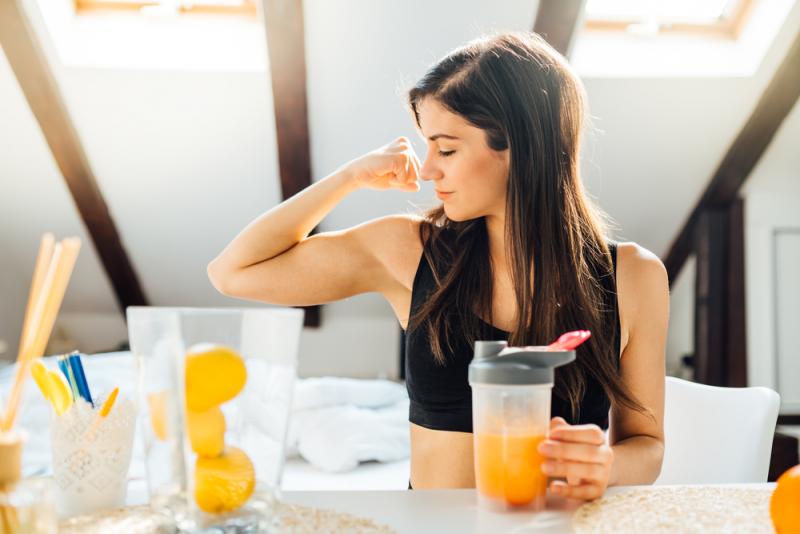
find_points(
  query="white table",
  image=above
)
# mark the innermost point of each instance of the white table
(446, 511)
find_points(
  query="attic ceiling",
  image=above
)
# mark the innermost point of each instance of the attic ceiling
(186, 158)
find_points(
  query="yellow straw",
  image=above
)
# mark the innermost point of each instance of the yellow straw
(109, 403)
(40, 322)
(39, 272)
(43, 260)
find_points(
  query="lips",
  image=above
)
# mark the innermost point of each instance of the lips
(443, 194)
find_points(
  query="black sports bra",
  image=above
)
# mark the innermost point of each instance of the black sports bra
(440, 395)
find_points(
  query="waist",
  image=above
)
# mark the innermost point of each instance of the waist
(441, 459)
(452, 418)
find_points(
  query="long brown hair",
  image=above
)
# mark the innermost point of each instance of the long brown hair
(526, 98)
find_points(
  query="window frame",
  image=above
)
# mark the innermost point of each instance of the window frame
(248, 7)
(730, 26)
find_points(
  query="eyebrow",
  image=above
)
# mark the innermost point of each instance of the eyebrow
(443, 136)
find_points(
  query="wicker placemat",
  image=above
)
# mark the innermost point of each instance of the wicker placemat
(685, 509)
(130, 520)
(295, 519)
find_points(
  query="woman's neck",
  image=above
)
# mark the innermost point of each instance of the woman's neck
(495, 228)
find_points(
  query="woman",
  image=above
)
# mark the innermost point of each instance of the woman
(516, 251)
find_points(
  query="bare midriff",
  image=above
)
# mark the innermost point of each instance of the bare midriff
(441, 459)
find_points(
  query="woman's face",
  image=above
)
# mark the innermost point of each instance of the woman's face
(460, 161)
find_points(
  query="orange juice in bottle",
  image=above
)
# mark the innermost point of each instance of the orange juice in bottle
(511, 395)
(508, 468)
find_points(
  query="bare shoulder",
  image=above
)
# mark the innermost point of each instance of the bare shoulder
(394, 241)
(642, 284)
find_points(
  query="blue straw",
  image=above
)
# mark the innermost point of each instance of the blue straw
(66, 370)
(80, 377)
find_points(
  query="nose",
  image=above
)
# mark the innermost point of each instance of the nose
(429, 171)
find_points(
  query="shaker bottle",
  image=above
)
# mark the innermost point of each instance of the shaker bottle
(511, 393)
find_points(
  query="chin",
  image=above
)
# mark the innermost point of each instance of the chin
(457, 216)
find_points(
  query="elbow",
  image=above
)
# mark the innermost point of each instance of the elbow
(219, 277)
(658, 459)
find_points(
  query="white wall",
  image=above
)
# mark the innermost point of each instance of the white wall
(772, 218)
(680, 337)
(186, 157)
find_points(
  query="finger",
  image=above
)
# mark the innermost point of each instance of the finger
(574, 471)
(398, 166)
(398, 145)
(578, 434)
(408, 173)
(415, 165)
(577, 452)
(409, 177)
(557, 421)
(586, 492)
(573, 480)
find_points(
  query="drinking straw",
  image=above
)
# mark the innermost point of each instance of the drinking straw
(107, 405)
(43, 260)
(42, 379)
(52, 386)
(48, 294)
(66, 370)
(76, 366)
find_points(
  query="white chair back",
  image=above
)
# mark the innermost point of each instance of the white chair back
(715, 435)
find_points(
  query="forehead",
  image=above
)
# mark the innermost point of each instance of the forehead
(434, 119)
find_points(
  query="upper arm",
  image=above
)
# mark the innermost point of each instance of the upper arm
(327, 266)
(643, 297)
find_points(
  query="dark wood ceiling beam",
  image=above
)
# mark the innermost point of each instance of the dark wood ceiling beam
(29, 64)
(744, 153)
(557, 21)
(285, 31)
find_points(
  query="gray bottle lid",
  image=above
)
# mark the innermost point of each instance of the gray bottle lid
(494, 362)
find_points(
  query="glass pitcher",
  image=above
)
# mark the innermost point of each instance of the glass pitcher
(215, 390)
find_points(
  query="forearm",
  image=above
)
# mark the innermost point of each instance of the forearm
(285, 225)
(637, 461)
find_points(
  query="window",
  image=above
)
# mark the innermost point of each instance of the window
(724, 18)
(245, 7)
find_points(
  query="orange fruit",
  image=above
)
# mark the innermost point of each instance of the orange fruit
(214, 374)
(157, 402)
(784, 505)
(206, 432)
(223, 484)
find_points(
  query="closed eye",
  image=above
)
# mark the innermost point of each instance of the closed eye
(444, 154)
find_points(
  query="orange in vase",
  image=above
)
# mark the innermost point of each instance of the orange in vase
(508, 467)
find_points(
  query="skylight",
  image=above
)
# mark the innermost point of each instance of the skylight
(666, 11)
(706, 38)
(723, 17)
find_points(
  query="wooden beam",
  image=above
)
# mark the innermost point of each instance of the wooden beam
(285, 31)
(557, 21)
(709, 302)
(736, 307)
(29, 64)
(774, 105)
(720, 343)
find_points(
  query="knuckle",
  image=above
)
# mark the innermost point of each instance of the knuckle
(597, 472)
